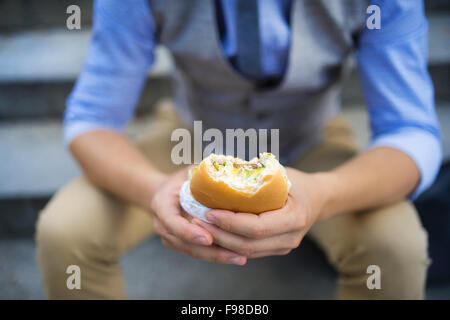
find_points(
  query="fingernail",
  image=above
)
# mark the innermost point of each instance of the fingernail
(200, 240)
(235, 260)
(211, 218)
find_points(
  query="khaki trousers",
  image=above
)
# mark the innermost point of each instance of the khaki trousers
(85, 226)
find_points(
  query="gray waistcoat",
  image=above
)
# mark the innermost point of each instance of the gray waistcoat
(209, 89)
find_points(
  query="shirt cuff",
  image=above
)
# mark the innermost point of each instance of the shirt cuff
(74, 129)
(422, 146)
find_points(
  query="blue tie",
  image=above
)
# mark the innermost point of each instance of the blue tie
(248, 58)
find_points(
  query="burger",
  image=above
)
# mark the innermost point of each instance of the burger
(229, 183)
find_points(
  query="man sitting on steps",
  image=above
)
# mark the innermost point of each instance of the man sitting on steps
(251, 64)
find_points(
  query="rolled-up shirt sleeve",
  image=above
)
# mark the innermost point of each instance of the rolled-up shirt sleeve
(120, 53)
(392, 66)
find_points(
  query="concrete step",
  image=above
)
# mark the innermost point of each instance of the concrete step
(52, 55)
(18, 15)
(46, 100)
(35, 161)
(36, 83)
(439, 38)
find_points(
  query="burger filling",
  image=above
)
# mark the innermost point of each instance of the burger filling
(247, 176)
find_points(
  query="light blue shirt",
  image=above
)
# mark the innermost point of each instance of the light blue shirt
(392, 66)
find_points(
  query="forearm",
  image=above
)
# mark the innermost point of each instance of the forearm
(377, 177)
(114, 163)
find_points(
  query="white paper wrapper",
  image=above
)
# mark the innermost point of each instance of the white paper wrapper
(190, 205)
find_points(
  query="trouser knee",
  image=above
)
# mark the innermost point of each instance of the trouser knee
(393, 248)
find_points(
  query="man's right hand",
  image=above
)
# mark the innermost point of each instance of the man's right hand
(173, 224)
(114, 163)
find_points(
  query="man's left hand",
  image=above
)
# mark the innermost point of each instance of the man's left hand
(274, 232)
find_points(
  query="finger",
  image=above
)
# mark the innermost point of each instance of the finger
(246, 246)
(254, 226)
(212, 253)
(186, 231)
(159, 228)
(170, 217)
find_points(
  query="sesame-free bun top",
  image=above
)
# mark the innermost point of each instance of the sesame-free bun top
(255, 186)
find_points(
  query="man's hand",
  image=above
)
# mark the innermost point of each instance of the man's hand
(176, 230)
(274, 232)
(115, 164)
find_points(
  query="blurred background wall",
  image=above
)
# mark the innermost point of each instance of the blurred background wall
(39, 62)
